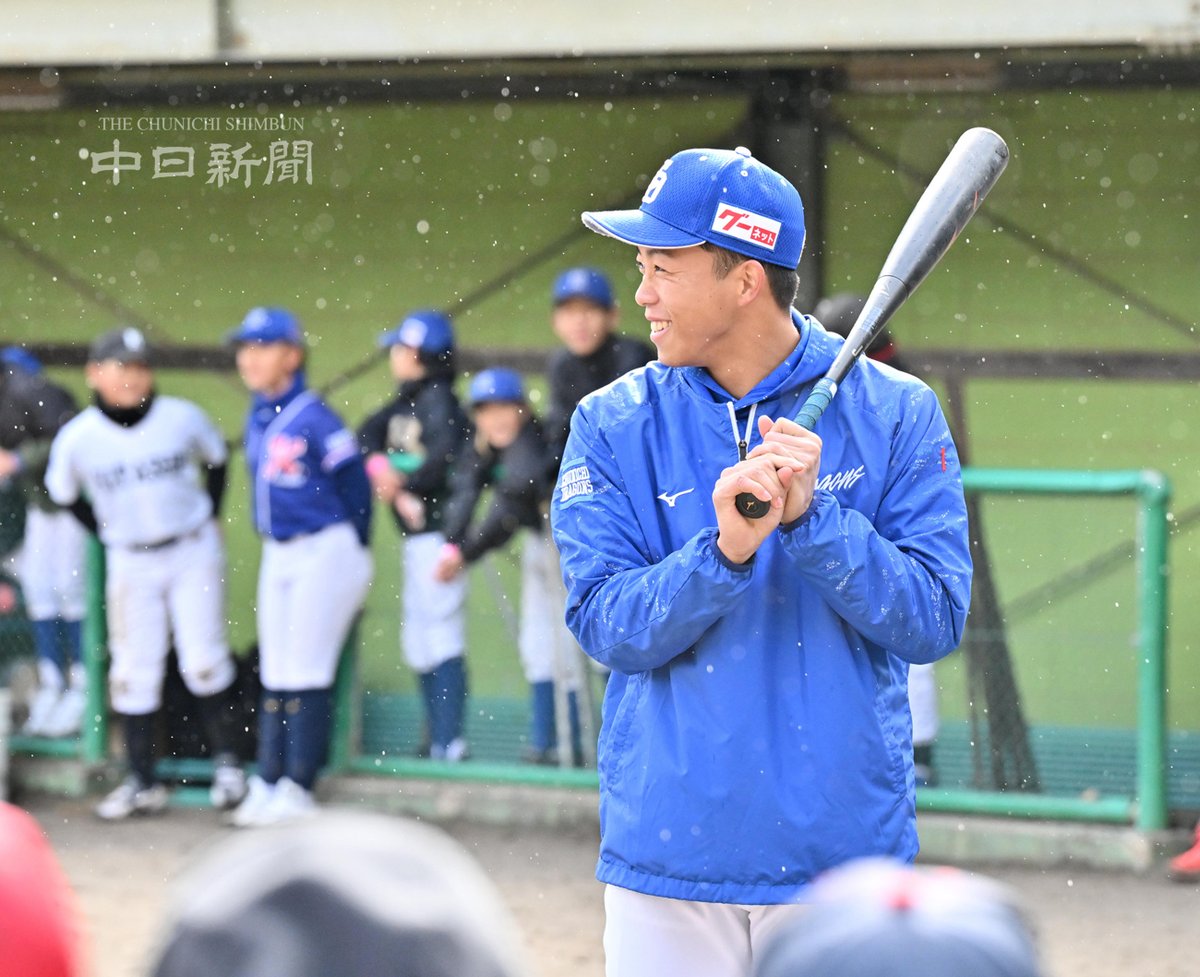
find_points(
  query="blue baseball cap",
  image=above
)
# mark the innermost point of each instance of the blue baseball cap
(268, 325)
(720, 196)
(583, 283)
(496, 385)
(426, 330)
(20, 359)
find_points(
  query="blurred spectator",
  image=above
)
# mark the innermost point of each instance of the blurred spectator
(875, 917)
(39, 922)
(592, 355)
(411, 444)
(53, 555)
(838, 313)
(345, 893)
(509, 457)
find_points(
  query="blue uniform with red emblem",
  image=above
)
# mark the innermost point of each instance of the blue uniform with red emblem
(311, 504)
(305, 467)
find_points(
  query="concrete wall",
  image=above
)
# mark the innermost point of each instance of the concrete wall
(33, 32)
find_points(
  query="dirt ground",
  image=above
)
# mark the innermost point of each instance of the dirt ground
(1090, 923)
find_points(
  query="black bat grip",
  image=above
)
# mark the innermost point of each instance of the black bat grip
(755, 508)
(751, 507)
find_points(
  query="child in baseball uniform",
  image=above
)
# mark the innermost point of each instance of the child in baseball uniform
(509, 456)
(146, 472)
(52, 556)
(311, 504)
(411, 445)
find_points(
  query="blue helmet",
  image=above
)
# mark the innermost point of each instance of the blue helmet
(428, 331)
(583, 283)
(266, 324)
(20, 359)
(496, 385)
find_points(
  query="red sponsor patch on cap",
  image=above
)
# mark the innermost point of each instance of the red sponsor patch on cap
(746, 226)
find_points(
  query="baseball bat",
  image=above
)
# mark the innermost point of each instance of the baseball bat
(951, 199)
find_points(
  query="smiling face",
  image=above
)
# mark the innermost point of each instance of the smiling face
(692, 313)
(122, 385)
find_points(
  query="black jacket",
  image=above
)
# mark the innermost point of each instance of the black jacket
(572, 377)
(32, 409)
(423, 431)
(520, 493)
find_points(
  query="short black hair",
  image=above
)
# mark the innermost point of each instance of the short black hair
(783, 282)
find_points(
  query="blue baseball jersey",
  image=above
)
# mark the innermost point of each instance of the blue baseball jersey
(296, 448)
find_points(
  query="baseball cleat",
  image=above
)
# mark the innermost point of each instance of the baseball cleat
(250, 812)
(132, 797)
(41, 707)
(289, 802)
(228, 788)
(455, 751)
(66, 717)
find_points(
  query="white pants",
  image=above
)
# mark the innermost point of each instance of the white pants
(309, 590)
(177, 591)
(923, 704)
(548, 650)
(53, 566)
(433, 629)
(648, 936)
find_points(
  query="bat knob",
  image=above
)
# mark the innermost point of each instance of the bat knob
(750, 507)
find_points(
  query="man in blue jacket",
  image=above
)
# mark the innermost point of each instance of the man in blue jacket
(756, 728)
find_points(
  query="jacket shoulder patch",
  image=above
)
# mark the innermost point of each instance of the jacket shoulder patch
(574, 483)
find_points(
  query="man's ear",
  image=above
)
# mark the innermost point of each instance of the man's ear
(751, 280)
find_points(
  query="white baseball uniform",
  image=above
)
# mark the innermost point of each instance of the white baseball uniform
(165, 558)
(53, 565)
(549, 652)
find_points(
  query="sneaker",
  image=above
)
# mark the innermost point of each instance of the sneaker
(249, 813)
(66, 718)
(1186, 867)
(289, 802)
(132, 797)
(228, 788)
(455, 751)
(41, 707)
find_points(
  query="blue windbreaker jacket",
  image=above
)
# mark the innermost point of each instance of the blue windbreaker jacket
(755, 727)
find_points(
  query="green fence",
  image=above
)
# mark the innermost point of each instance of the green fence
(1099, 741)
(1070, 786)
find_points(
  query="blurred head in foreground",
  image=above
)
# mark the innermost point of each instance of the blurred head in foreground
(39, 925)
(346, 893)
(880, 918)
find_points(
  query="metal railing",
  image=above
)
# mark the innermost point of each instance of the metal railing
(1147, 808)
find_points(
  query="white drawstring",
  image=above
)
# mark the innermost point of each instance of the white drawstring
(743, 440)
